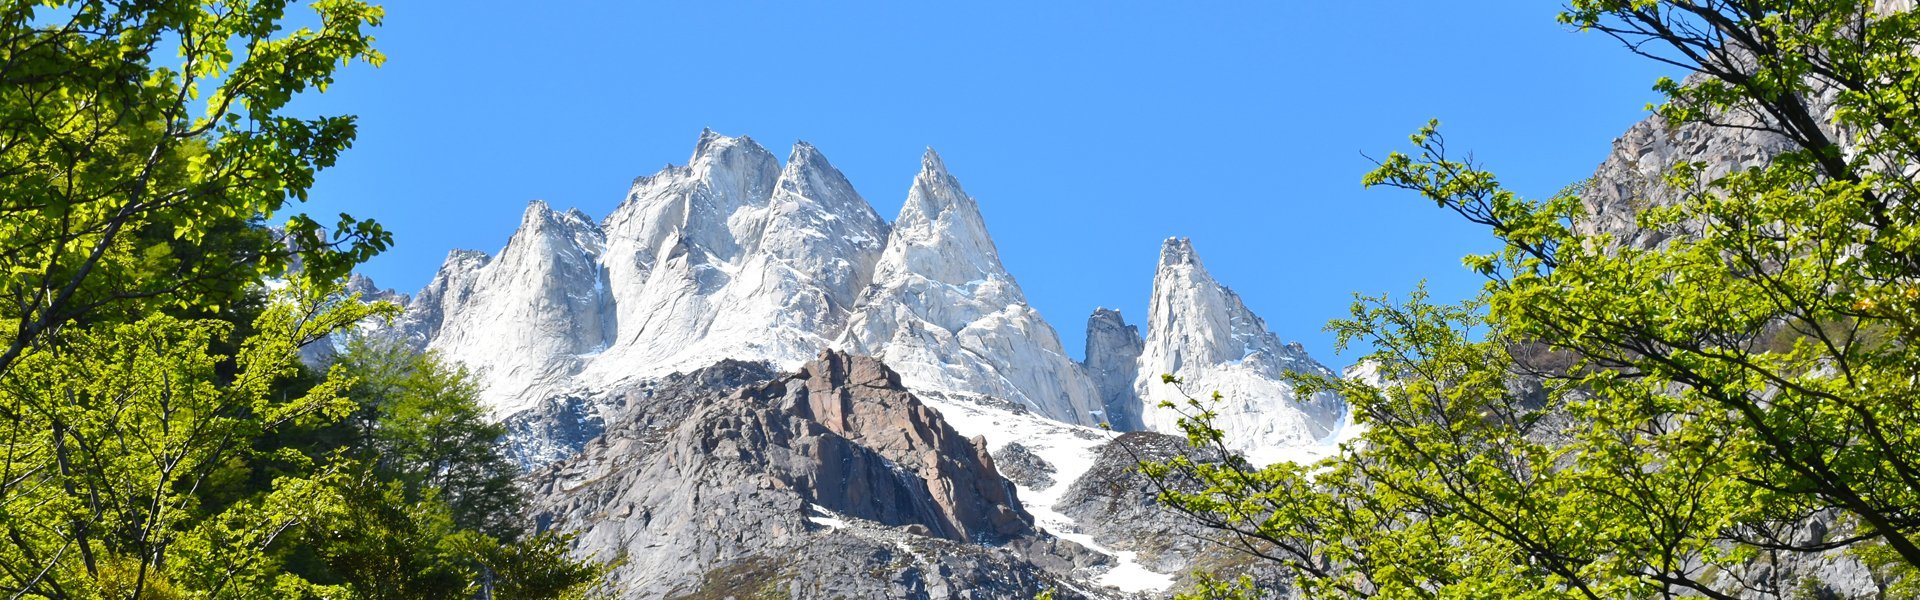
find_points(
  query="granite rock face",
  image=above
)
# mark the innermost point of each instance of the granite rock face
(838, 454)
(734, 256)
(523, 319)
(559, 426)
(1201, 332)
(945, 312)
(1022, 467)
(1114, 503)
(1113, 361)
(1631, 179)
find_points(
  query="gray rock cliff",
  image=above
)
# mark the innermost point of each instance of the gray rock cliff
(1113, 361)
(836, 456)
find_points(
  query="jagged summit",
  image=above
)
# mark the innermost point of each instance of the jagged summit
(535, 207)
(539, 216)
(944, 312)
(1177, 251)
(936, 193)
(804, 153)
(940, 235)
(461, 255)
(736, 256)
(711, 144)
(1200, 331)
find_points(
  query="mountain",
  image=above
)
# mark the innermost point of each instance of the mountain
(945, 312)
(1202, 333)
(523, 319)
(1113, 361)
(735, 257)
(834, 480)
(743, 364)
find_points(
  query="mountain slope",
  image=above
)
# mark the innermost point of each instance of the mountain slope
(945, 313)
(1199, 331)
(837, 462)
(522, 319)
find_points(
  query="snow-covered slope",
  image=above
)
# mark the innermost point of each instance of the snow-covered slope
(1200, 332)
(521, 320)
(1069, 451)
(735, 257)
(945, 314)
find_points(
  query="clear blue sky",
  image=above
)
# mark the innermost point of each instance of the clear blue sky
(1089, 131)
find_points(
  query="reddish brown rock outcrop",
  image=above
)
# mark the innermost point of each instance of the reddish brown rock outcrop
(861, 400)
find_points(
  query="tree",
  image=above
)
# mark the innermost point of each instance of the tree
(108, 444)
(441, 515)
(157, 430)
(420, 423)
(1615, 419)
(126, 186)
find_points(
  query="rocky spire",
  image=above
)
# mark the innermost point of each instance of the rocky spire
(1200, 331)
(1113, 362)
(696, 205)
(943, 311)
(796, 284)
(940, 233)
(522, 318)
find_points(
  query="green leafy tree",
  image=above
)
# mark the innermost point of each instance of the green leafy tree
(130, 180)
(158, 436)
(440, 513)
(1617, 419)
(420, 423)
(108, 442)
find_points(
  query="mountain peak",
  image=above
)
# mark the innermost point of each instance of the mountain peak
(537, 212)
(936, 196)
(1112, 361)
(714, 147)
(930, 163)
(803, 152)
(1178, 251)
(1202, 332)
(459, 256)
(539, 216)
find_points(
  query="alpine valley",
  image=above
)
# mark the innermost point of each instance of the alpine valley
(744, 382)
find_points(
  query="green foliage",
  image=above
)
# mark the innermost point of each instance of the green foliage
(420, 422)
(539, 567)
(120, 169)
(440, 515)
(1617, 420)
(159, 436)
(108, 441)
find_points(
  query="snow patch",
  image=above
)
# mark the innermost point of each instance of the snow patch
(819, 515)
(1072, 450)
